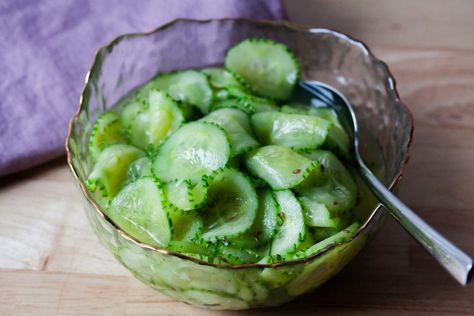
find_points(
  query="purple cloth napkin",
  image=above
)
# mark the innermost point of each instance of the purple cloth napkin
(46, 48)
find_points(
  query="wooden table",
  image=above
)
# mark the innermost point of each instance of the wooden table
(51, 262)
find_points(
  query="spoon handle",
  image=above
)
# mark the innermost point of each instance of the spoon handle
(453, 259)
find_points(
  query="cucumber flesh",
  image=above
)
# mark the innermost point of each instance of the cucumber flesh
(195, 149)
(237, 127)
(139, 168)
(292, 231)
(221, 78)
(106, 131)
(339, 191)
(189, 86)
(140, 210)
(186, 195)
(165, 117)
(269, 68)
(231, 207)
(280, 167)
(299, 132)
(342, 236)
(264, 226)
(149, 127)
(337, 140)
(316, 214)
(110, 170)
(187, 225)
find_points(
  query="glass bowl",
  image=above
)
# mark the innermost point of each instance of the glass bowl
(336, 59)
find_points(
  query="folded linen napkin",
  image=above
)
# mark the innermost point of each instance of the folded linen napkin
(47, 47)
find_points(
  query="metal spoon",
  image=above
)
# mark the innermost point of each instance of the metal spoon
(453, 259)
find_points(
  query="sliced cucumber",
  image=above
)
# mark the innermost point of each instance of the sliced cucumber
(337, 140)
(195, 149)
(342, 236)
(316, 214)
(231, 207)
(192, 248)
(106, 131)
(129, 111)
(139, 168)
(187, 225)
(165, 117)
(221, 78)
(269, 68)
(233, 103)
(299, 132)
(150, 127)
(292, 232)
(189, 86)
(264, 226)
(265, 107)
(339, 192)
(280, 167)
(110, 170)
(139, 210)
(237, 127)
(234, 255)
(250, 100)
(186, 195)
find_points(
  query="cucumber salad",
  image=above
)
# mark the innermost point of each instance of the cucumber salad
(220, 165)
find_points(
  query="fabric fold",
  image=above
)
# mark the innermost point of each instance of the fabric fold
(47, 48)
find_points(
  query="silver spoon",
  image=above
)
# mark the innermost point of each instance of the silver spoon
(453, 259)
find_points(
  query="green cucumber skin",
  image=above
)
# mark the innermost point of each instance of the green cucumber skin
(106, 131)
(241, 195)
(273, 80)
(293, 230)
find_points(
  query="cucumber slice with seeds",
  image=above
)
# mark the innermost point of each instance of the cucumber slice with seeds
(337, 139)
(341, 236)
(110, 170)
(187, 225)
(299, 132)
(237, 127)
(139, 168)
(195, 149)
(106, 131)
(233, 103)
(151, 126)
(292, 232)
(269, 68)
(280, 167)
(165, 117)
(185, 195)
(339, 191)
(140, 210)
(264, 226)
(231, 207)
(317, 214)
(189, 86)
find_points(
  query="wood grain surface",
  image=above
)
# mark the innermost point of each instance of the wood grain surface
(51, 263)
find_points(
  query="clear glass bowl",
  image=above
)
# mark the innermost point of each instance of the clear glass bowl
(133, 59)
